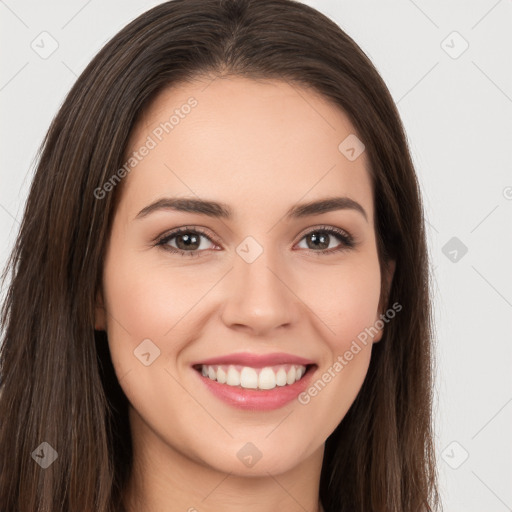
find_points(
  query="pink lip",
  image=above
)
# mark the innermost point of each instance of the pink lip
(256, 399)
(256, 361)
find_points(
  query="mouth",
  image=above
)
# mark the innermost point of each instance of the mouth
(256, 382)
(255, 378)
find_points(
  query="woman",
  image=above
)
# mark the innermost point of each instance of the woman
(174, 339)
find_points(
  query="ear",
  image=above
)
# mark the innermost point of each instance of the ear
(389, 272)
(100, 320)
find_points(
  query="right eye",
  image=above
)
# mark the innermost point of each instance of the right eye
(188, 241)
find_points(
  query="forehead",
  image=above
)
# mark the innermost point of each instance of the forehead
(232, 139)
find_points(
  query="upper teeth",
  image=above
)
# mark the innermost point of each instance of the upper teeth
(255, 378)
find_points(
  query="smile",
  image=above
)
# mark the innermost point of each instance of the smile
(248, 377)
(255, 389)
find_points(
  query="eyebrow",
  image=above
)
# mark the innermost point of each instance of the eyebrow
(223, 211)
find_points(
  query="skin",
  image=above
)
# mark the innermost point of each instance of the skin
(260, 147)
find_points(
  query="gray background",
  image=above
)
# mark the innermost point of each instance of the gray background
(457, 109)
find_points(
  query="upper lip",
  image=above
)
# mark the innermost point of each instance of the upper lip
(256, 360)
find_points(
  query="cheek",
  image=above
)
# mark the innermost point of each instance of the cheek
(148, 300)
(346, 301)
(345, 298)
(141, 306)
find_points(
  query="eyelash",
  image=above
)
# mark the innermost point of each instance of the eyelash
(347, 240)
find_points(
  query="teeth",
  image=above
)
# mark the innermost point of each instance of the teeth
(267, 379)
(290, 378)
(254, 378)
(249, 378)
(281, 377)
(233, 378)
(221, 376)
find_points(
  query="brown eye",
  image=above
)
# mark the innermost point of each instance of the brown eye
(320, 240)
(189, 241)
(185, 241)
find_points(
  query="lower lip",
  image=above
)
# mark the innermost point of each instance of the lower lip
(255, 399)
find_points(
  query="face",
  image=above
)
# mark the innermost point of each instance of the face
(266, 293)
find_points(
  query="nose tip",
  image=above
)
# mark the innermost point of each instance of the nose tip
(257, 298)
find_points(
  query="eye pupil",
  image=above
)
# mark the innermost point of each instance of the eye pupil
(190, 241)
(321, 238)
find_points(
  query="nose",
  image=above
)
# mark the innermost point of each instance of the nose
(260, 297)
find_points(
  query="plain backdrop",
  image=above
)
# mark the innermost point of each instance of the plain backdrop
(448, 66)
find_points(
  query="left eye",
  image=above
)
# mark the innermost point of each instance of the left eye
(187, 241)
(321, 238)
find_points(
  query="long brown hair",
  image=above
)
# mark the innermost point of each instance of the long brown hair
(57, 381)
